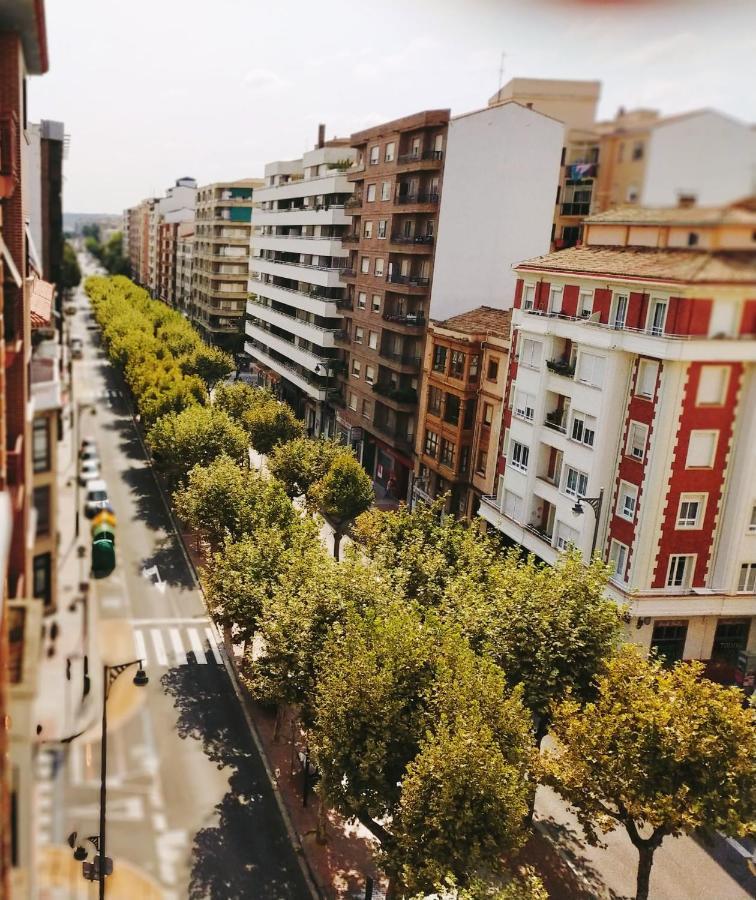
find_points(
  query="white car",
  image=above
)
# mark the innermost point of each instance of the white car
(89, 469)
(97, 497)
(89, 454)
(88, 443)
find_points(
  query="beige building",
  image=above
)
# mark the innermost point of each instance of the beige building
(184, 257)
(222, 235)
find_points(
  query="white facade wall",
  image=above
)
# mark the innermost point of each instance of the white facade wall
(706, 154)
(501, 173)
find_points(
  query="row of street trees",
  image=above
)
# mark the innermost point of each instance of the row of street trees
(110, 254)
(427, 667)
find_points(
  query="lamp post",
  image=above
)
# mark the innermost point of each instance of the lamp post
(595, 504)
(102, 866)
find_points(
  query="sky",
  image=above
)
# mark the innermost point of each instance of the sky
(153, 90)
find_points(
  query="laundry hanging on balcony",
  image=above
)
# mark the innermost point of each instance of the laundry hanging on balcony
(579, 171)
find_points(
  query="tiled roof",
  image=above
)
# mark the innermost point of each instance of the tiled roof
(651, 264)
(483, 319)
(741, 213)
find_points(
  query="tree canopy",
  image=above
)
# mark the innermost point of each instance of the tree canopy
(70, 274)
(300, 463)
(344, 492)
(270, 423)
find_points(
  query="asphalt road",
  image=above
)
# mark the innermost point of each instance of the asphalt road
(188, 799)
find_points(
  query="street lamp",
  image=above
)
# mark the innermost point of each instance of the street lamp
(595, 504)
(102, 866)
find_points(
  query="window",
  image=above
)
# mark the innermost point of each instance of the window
(487, 413)
(373, 340)
(472, 374)
(528, 296)
(752, 523)
(42, 507)
(434, 400)
(352, 400)
(730, 638)
(370, 374)
(431, 443)
(566, 536)
(366, 409)
(657, 316)
(575, 482)
(512, 506)
(493, 370)
(42, 580)
(701, 449)
(386, 190)
(378, 270)
(712, 385)
(447, 453)
(747, 579)
(518, 456)
(627, 500)
(482, 462)
(618, 556)
(524, 405)
(530, 354)
(439, 358)
(645, 385)
(375, 154)
(619, 311)
(637, 435)
(382, 229)
(668, 640)
(365, 265)
(583, 429)
(590, 369)
(356, 368)
(376, 302)
(389, 155)
(457, 368)
(585, 304)
(690, 510)
(680, 571)
(41, 444)
(692, 238)
(469, 418)
(464, 458)
(555, 299)
(368, 229)
(451, 409)
(638, 150)
(359, 335)
(370, 193)
(361, 300)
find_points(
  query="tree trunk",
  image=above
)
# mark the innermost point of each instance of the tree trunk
(280, 712)
(320, 835)
(228, 642)
(645, 861)
(337, 536)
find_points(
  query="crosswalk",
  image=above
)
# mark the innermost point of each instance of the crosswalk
(44, 782)
(175, 642)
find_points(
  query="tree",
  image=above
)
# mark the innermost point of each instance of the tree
(660, 752)
(209, 363)
(342, 494)
(240, 398)
(521, 885)
(221, 499)
(300, 463)
(70, 274)
(196, 436)
(271, 423)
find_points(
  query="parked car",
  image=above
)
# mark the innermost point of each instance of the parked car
(97, 498)
(89, 454)
(89, 470)
(88, 443)
(77, 348)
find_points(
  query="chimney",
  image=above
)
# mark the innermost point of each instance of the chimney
(685, 201)
(321, 136)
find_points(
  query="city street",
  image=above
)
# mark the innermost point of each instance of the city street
(189, 803)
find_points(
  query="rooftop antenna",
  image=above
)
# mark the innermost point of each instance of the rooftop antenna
(501, 75)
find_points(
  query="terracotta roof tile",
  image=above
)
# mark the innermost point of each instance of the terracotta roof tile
(741, 213)
(482, 319)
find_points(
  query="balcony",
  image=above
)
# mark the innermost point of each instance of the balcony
(409, 199)
(407, 396)
(353, 202)
(347, 273)
(424, 241)
(417, 282)
(427, 156)
(286, 370)
(541, 532)
(561, 367)
(411, 320)
(557, 419)
(396, 433)
(315, 334)
(576, 209)
(350, 238)
(344, 303)
(309, 301)
(402, 360)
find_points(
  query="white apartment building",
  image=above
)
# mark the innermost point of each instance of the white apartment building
(295, 288)
(631, 421)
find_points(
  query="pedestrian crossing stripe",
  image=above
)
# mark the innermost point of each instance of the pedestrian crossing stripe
(176, 646)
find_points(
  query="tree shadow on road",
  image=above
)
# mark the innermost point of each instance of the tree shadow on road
(170, 562)
(246, 854)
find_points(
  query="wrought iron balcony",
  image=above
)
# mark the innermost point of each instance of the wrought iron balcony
(405, 199)
(561, 367)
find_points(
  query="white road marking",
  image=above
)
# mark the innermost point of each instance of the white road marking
(213, 647)
(141, 648)
(122, 809)
(149, 572)
(199, 653)
(157, 643)
(179, 654)
(737, 846)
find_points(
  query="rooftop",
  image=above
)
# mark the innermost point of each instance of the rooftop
(427, 119)
(742, 212)
(484, 319)
(27, 19)
(650, 264)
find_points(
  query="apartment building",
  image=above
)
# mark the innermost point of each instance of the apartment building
(220, 271)
(631, 421)
(175, 208)
(294, 320)
(184, 255)
(23, 52)
(461, 405)
(397, 181)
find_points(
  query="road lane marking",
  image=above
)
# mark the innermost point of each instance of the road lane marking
(179, 654)
(194, 640)
(211, 643)
(141, 648)
(157, 643)
(149, 572)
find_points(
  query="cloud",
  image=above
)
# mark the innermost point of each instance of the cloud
(263, 80)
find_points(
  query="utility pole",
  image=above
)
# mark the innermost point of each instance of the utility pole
(501, 75)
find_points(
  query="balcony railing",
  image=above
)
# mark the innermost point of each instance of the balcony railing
(347, 273)
(399, 395)
(318, 207)
(405, 199)
(402, 359)
(344, 303)
(575, 209)
(557, 419)
(416, 319)
(411, 280)
(353, 201)
(420, 157)
(561, 367)
(412, 239)
(541, 532)
(395, 432)
(350, 238)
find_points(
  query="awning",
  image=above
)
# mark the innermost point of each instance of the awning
(41, 303)
(31, 251)
(10, 264)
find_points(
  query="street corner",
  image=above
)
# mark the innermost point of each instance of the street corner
(59, 871)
